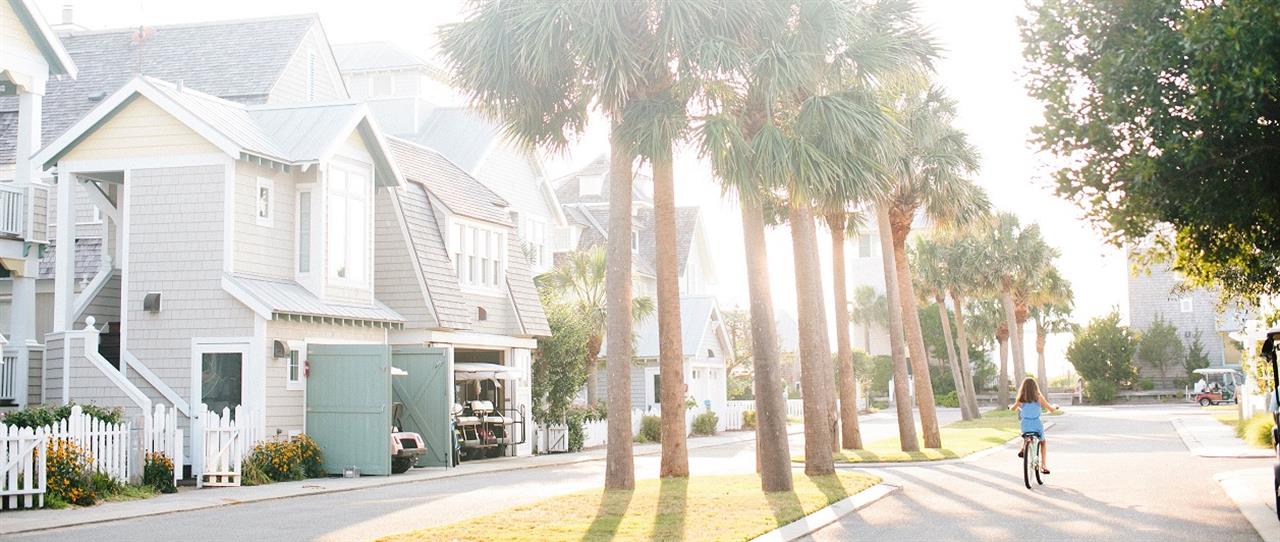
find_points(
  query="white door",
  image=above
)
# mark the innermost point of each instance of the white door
(222, 375)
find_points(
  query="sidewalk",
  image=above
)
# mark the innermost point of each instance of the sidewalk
(1207, 437)
(1251, 490)
(190, 498)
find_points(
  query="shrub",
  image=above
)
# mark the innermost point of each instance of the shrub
(650, 429)
(948, 400)
(1146, 385)
(283, 460)
(1100, 391)
(41, 415)
(70, 478)
(1257, 430)
(312, 457)
(749, 419)
(575, 416)
(157, 472)
(252, 473)
(705, 423)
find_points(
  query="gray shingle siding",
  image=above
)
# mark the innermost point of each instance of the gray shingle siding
(1154, 294)
(396, 282)
(524, 294)
(433, 262)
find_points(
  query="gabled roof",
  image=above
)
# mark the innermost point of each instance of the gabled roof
(290, 136)
(379, 55)
(429, 253)
(568, 188)
(459, 133)
(595, 221)
(457, 190)
(696, 315)
(271, 297)
(524, 294)
(238, 60)
(55, 54)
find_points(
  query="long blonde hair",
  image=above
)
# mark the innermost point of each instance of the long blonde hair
(1029, 391)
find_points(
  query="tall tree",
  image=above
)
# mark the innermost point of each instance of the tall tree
(1156, 106)
(578, 282)
(1033, 265)
(965, 274)
(897, 350)
(929, 173)
(990, 320)
(540, 68)
(867, 309)
(929, 259)
(839, 223)
(1051, 303)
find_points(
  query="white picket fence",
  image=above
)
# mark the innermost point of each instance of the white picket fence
(106, 443)
(228, 438)
(163, 435)
(22, 466)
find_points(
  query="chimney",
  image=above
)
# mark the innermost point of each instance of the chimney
(67, 12)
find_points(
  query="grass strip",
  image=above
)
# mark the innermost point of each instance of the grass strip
(701, 508)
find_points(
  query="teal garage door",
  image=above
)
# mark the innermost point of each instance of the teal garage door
(348, 406)
(424, 392)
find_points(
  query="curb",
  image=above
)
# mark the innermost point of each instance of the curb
(930, 462)
(1252, 504)
(826, 516)
(1194, 446)
(388, 481)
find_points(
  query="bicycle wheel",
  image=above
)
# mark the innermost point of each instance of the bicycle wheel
(1037, 464)
(1027, 463)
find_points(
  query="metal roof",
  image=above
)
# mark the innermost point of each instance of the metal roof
(379, 55)
(460, 134)
(460, 192)
(286, 297)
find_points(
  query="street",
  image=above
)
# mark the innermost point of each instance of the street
(1117, 472)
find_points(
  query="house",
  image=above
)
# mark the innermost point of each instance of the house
(411, 100)
(584, 196)
(864, 265)
(706, 345)
(1159, 292)
(30, 55)
(274, 60)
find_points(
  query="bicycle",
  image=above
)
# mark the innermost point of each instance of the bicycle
(1031, 458)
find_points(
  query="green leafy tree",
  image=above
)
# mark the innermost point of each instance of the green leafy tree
(1196, 358)
(1103, 352)
(1156, 106)
(559, 363)
(1160, 348)
(868, 308)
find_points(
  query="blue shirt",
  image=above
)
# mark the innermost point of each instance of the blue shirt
(1029, 413)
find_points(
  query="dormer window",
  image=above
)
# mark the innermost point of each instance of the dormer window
(479, 254)
(348, 229)
(590, 185)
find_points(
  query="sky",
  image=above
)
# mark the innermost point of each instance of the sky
(981, 68)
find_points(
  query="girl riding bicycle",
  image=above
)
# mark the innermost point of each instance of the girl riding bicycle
(1029, 404)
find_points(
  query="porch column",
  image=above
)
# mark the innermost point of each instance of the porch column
(22, 330)
(64, 278)
(29, 107)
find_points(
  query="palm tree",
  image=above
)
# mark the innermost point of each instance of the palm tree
(868, 308)
(929, 260)
(1031, 258)
(965, 274)
(1006, 259)
(989, 320)
(579, 282)
(929, 176)
(839, 223)
(901, 391)
(1051, 304)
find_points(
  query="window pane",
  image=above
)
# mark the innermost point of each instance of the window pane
(304, 232)
(337, 239)
(293, 365)
(356, 240)
(220, 381)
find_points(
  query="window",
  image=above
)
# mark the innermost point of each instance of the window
(657, 388)
(265, 201)
(1185, 304)
(635, 241)
(534, 234)
(864, 245)
(348, 227)
(697, 374)
(478, 255)
(304, 232)
(220, 375)
(294, 369)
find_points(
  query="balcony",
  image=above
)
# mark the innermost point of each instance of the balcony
(24, 213)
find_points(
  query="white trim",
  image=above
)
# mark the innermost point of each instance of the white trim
(650, 398)
(156, 382)
(229, 216)
(122, 246)
(199, 347)
(299, 384)
(150, 162)
(310, 191)
(88, 293)
(50, 38)
(101, 205)
(464, 339)
(270, 185)
(261, 309)
(64, 248)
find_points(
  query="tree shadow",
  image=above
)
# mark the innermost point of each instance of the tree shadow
(831, 487)
(672, 507)
(613, 507)
(785, 505)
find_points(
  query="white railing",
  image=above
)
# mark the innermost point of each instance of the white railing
(163, 435)
(22, 466)
(228, 439)
(13, 211)
(9, 378)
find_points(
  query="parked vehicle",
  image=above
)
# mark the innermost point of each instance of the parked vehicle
(406, 446)
(1273, 404)
(1220, 386)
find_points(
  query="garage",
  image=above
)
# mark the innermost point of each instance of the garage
(365, 402)
(491, 420)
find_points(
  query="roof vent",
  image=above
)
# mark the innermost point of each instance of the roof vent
(481, 314)
(68, 10)
(98, 96)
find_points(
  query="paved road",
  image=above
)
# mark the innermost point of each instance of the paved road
(369, 513)
(1119, 473)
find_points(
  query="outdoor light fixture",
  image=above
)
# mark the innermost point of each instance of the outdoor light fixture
(151, 302)
(279, 350)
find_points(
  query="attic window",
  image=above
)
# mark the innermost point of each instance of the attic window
(481, 314)
(311, 76)
(710, 354)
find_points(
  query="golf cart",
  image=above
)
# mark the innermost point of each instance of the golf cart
(1220, 386)
(406, 447)
(482, 426)
(1269, 346)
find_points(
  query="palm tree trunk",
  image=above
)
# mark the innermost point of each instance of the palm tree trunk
(1015, 338)
(593, 370)
(815, 354)
(774, 459)
(1019, 330)
(620, 471)
(915, 337)
(675, 452)
(850, 435)
(1042, 375)
(956, 377)
(1003, 377)
(866, 336)
(966, 369)
(901, 390)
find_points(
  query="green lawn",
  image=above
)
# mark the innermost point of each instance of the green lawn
(697, 508)
(958, 439)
